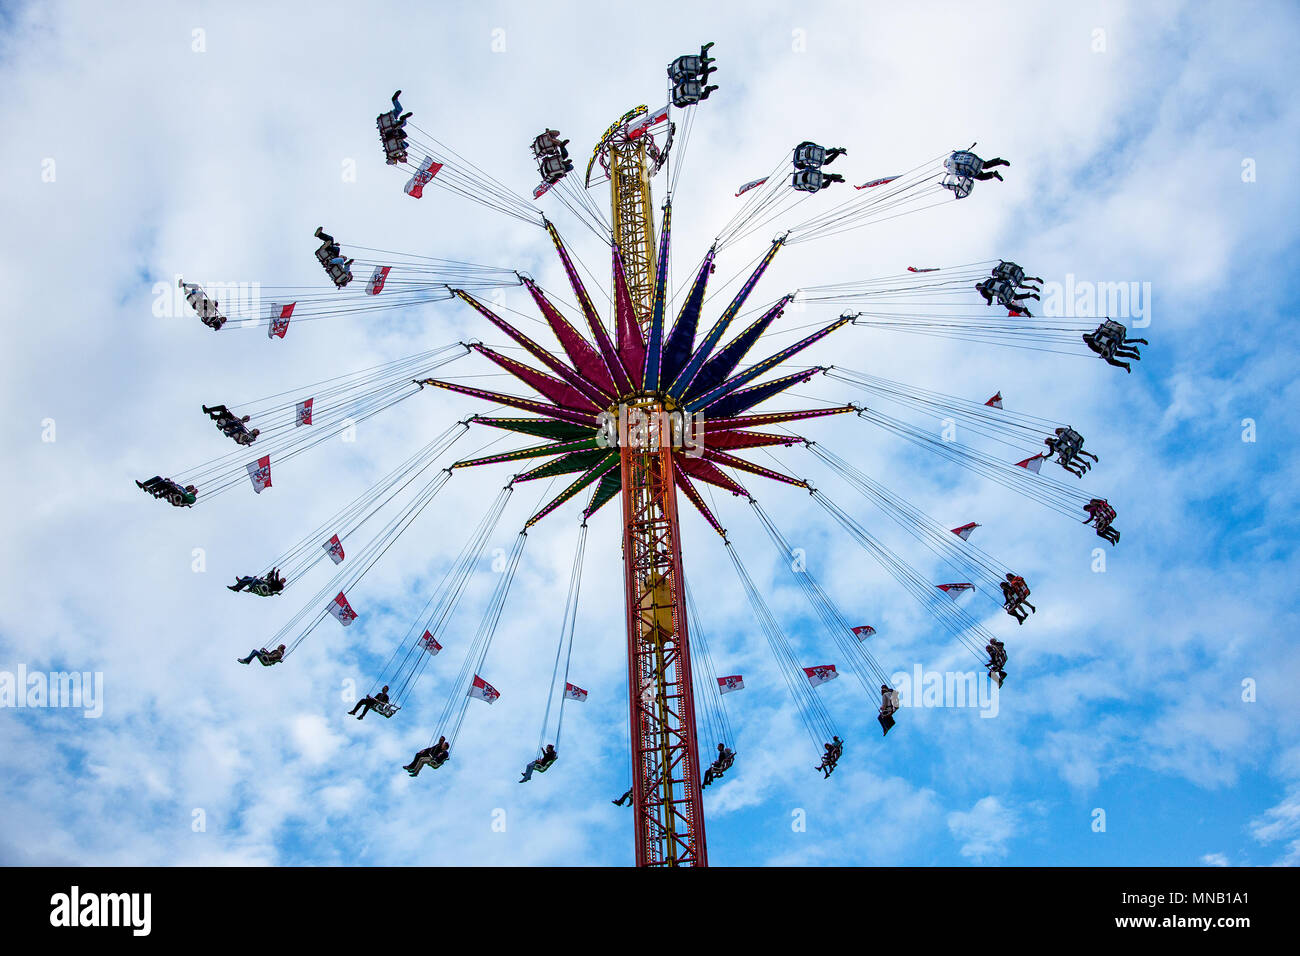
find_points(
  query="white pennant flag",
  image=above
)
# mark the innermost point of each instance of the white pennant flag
(729, 683)
(342, 610)
(483, 690)
(1034, 464)
(259, 473)
(334, 548)
(820, 674)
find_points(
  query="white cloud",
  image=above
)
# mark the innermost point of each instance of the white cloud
(985, 830)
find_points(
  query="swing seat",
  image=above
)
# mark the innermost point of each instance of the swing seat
(386, 709)
(545, 765)
(961, 186)
(963, 163)
(394, 152)
(1009, 271)
(431, 764)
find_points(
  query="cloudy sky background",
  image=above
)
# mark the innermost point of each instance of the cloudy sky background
(1127, 686)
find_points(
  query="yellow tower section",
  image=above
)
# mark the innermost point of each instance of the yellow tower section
(634, 219)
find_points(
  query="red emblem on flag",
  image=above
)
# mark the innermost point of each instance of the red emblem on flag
(732, 682)
(820, 674)
(377, 279)
(483, 690)
(426, 171)
(259, 473)
(279, 320)
(342, 610)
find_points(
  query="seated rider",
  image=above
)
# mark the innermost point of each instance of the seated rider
(888, 707)
(220, 414)
(266, 657)
(328, 249)
(721, 765)
(1111, 342)
(209, 310)
(1069, 445)
(997, 652)
(267, 586)
(237, 428)
(161, 487)
(1100, 511)
(625, 800)
(832, 755)
(986, 165)
(888, 701)
(369, 703)
(434, 757)
(541, 764)
(1015, 591)
(1065, 452)
(996, 287)
(339, 269)
(549, 143)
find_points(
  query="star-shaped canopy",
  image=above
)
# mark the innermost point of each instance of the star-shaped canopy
(679, 372)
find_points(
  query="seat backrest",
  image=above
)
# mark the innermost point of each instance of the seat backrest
(963, 163)
(809, 154)
(961, 186)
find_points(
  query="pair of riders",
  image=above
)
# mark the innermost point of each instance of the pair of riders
(997, 652)
(330, 255)
(1100, 511)
(726, 757)
(1015, 592)
(160, 487)
(392, 132)
(263, 586)
(231, 425)
(1111, 343)
(833, 751)
(1068, 447)
(434, 756)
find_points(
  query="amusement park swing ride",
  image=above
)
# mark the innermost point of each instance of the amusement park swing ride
(648, 407)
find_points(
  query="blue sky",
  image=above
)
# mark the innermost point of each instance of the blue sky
(1126, 694)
